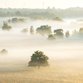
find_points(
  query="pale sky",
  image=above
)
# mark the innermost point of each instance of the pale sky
(40, 3)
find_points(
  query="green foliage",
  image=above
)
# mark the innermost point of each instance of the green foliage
(44, 30)
(6, 27)
(59, 33)
(38, 59)
(51, 37)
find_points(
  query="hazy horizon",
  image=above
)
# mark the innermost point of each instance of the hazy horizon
(62, 4)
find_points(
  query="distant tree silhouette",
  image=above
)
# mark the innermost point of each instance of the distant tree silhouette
(15, 20)
(57, 19)
(6, 26)
(38, 59)
(44, 30)
(31, 30)
(18, 13)
(3, 51)
(59, 33)
(81, 30)
(67, 34)
(51, 37)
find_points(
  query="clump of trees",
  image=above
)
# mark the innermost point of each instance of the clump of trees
(38, 59)
(44, 30)
(6, 26)
(58, 33)
(14, 20)
(3, 51)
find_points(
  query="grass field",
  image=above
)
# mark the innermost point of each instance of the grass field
(62, 72)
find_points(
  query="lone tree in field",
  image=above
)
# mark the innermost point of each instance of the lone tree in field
(38, 59)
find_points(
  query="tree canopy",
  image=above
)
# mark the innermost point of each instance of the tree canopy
(59, 33)
(44, 30)
(38, 59)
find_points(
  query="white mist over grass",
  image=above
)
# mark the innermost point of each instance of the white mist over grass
(21, 46)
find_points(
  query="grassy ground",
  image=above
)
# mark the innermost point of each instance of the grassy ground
(64, 72)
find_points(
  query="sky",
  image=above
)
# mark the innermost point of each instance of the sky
(40, 3)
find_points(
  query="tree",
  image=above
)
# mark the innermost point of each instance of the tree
(31, 30)
(6, 26)
(38, 59)
(3, 51)
(15, 20)
(44, 30)
(81, 30)
(51, 37)
(67, 34)
(59, 33)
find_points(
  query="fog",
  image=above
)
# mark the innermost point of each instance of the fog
(21, 46)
